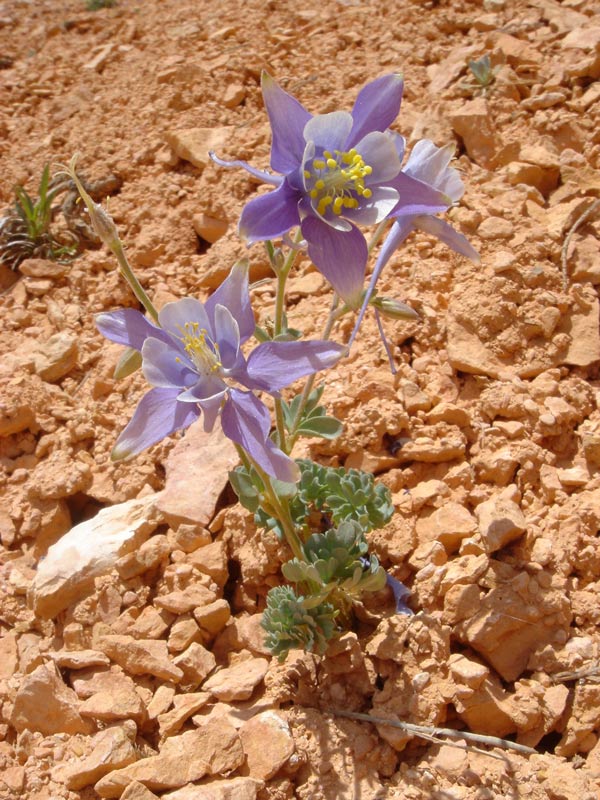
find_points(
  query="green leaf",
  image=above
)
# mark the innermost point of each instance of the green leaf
(325, 427)
(130, 362)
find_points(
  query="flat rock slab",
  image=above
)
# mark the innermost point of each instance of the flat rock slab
(197, 470)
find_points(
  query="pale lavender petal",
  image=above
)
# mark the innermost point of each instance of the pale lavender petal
(270, 215)
(446, 234)
(211, 408)
(308, 207)
(157, 415)
(376, 208)
(127, 326)
(166, 366)
(273, 365)
(264, 177)
(329, 131)
(247, 422)
(379, 152)
(205, 388)
(340, 256)
(417, 197)
(288, 118)
(227, 336)
(429, 163)
(401, 228)
(173, 317)
(234, 294)
(399, 144)
(376, 107)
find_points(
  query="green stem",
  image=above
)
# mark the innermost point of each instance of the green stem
(129, 275)
(278, 506)
(308, 386)
(377, 235)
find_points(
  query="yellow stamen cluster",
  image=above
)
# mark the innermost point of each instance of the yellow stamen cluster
(204, 356)
(339, 180)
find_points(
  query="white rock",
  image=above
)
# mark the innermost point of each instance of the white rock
(88, 550)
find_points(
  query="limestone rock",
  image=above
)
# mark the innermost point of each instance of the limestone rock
(111, 706)
(146, 557)
(213, 749)
(213, 617)
(267, 743)
(209, 228)
(584, 348)
(137, 791)
(197, 472)
(56, 357)
(231, 789)
(501, 521)
(237, 682)
(79, 659)
(112, 749)
(46, 704)
(184, 706)
(196, 662)
(140, 656)
(88, 550)
(184, 600)
(449, 525)
(473, 124)
(212, 561)
(194, 144)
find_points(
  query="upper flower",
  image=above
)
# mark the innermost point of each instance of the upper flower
(193, 360)
(429, 165)
(337, 170)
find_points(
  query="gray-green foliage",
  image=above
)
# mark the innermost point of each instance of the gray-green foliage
(292, 622)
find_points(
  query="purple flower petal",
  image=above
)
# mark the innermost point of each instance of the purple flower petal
(270, 215)
(127, 326)
(376, 107)
(417, 197)
(273, 365)
(188, 311)
(400, 592)
(165, 366)
(211, 408)
(227, 336)
(329, 131)
(247, 422)
(288, 118)
(205, 388)
(378, 150)
(234, 294)
(429, 163)
(446, 234)
(157, 415)
(340, 256)
(263, 177)
(377, 208)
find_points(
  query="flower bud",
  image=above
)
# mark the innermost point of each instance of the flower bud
(394, 308)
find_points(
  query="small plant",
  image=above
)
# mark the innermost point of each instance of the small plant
(26, 229)
(96, 5)
(483, 75)
(332, 174)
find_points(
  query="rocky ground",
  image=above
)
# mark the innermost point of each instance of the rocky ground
(132, 665)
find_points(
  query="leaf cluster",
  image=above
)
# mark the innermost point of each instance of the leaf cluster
(313, 420)
(25, 230)
(290, 622)
(324, 496)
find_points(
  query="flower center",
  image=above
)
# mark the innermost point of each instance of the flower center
(203, 352)
(337, 180)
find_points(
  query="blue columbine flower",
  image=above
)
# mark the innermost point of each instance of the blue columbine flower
(336, 170)
(194, 363)
(429, 165)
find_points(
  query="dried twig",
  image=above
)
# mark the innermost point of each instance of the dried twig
(435, 734)
(564, 256)
(592, 672)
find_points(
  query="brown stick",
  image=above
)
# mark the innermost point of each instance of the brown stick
(434, 734)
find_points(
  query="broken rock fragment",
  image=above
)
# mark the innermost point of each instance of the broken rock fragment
(46, 704)
(267, 743)
(213, 749)
(237, 682)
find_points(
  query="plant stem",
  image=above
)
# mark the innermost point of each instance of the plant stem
(129, 275)
(308, 386)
